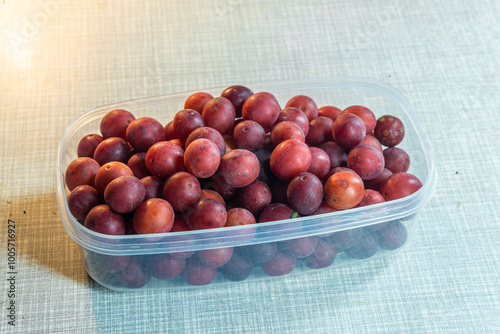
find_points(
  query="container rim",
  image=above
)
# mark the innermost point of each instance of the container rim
(249, 234)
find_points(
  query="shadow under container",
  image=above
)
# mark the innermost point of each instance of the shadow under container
(262, 251)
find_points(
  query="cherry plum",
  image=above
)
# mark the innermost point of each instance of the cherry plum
(197, 101)
(344, 190)
(81, 171)
(182, 190)
(400, 185)
(81, 200)
(115, 123)
(237, 95)
(144, 132)
(305, 104)
(219, 114)
(87, 145)
(154, 215)
(202, 158)
(290, 158)
(348, 130)
(124, 194)
(396, 159)
(164, 159)
(102, 219)
(262, 108)
(389, 130)
(296, 116)
(365, 114)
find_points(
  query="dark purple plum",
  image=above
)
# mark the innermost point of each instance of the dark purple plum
(153, 186)
(237, 269)
(336, 153)
(87, 145)
(197, 273)
(259, 253)
(376, 227)
(112, 149)
(249, 135)
(103, 220)
(320, 162)
(216, 184)
(305, 193)
(237, 95)
(164, 266)
(276, 211)
(255, 197)
(81, 200)
(182, 190)
(108, 263)
(348, 130)
(216, 257)
(346, 238)
(366, 247)
(396, 160)
(266, 174)
(115, 123)
(135, 275)
(392, 236)
(378, 181)
(323, 256)
(320, 131)
(300, 247)
(389, 131)
(124, 194)
(186, 121)
(144, 132)
(281, 264)
(137, 163)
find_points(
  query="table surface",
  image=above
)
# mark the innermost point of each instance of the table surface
(60, 58)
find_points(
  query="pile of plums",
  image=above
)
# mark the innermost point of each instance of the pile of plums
(237, 159)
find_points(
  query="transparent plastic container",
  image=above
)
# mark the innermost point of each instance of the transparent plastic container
(131, 262)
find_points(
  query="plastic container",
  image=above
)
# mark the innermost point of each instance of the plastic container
(126, 263)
